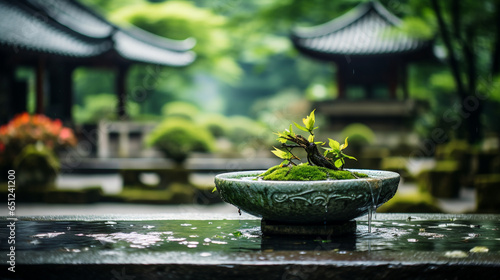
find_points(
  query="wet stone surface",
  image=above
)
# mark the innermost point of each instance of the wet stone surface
(436, 244)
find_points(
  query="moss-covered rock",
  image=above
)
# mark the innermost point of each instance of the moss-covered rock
(305, 172)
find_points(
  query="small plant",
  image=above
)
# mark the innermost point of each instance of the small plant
(178, 138)
(25, 129)
(331, 159)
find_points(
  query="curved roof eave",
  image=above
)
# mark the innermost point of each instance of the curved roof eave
(21, 27)
(368, 29)
(131, 48)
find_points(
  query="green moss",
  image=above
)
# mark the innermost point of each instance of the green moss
(306, 172)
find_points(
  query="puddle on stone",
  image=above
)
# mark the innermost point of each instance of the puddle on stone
(207, 237)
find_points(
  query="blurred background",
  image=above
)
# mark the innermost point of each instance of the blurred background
(131, 105)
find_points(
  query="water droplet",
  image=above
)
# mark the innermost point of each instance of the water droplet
(370, 219)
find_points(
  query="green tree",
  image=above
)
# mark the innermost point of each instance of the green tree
(470, 32)
(181, 20)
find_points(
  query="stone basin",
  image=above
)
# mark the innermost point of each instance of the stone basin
(307, 202)
(400, 246)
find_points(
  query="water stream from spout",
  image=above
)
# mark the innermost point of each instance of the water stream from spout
(372, 210)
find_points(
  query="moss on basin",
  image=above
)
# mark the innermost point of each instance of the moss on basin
(304, 172)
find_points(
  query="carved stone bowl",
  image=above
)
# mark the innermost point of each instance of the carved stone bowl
(307, 202)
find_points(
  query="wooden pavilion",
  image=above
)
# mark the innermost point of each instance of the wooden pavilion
(371, 57)
(54, 37)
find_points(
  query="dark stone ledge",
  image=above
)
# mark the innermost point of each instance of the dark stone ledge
(263, 264)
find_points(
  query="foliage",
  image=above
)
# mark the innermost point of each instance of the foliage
(234, 39)
(252, 38)
(101, 107)
(177, 138)
(215, 123)
(276, 109)
(417, 28)
(332, 158)
(25, 129)
(180, 20)
(38, 164)
(88, 81)
(359, 134)
(180, 109)
(469, 32)
(246, 133)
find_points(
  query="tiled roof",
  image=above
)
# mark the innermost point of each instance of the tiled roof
(22, 28)
(368, 29)
(133, 48)
(67, 28)
(75, 16)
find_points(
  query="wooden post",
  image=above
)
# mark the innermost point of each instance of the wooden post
(393, 81)
(68, 98)
(40, 76)
(404, 80)
(340, 82)
(121, 91)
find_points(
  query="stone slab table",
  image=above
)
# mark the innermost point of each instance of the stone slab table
(205, 246)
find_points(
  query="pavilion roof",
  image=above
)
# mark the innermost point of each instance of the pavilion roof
(21, 28)
(67, 28)
(368, 29)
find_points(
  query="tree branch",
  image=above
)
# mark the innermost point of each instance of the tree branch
(452, 58)
(495, 54)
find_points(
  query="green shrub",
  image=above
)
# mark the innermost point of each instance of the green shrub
(38, 166)
(102, 106)
(359, 134)
(215, 123)
(247, 132)
(180, 109)
(177, 138)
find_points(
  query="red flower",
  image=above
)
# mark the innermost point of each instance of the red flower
(24, 129)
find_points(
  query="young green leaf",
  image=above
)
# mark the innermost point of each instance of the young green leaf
(334, 145)
(349, 157)
(282, 154)
(285, 163)
(301, 127)
(343, 146)
(309, 121)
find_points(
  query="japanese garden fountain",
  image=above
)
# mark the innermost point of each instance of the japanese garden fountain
(314, 198)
